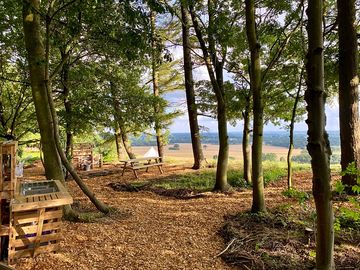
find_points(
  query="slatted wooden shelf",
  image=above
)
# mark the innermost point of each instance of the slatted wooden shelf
(31, 202)
(34, 231)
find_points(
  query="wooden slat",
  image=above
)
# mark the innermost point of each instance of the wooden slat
(23, 230)
(146, 166)
(3, 266)
(23, 242)
(31, 252)
(40, 224)
(26, 217)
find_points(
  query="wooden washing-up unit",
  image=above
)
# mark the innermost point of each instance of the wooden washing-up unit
(30, 213)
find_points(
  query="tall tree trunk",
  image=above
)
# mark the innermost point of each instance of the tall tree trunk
(215, 71)
(37, 66)
(67, 105)
(291, 132)
(155, 81)
(258, 204)
(40, 82)
(318, 142)
(221, 183)
(190, 93)
(119, 119)
(348, 89)
(118, 140)
(246, 143)
(126, 143)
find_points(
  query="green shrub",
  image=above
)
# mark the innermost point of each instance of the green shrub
(273, 173)
(235, 179)
(304, 157)
(301, 196)
(349, 218)
(269, 157)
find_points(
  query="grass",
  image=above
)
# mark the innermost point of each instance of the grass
(299, 195)
(201, 181)
(204, 180)
(28, 156)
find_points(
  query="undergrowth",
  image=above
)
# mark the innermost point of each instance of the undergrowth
(300, 196)
(282, 238)
(204, 180)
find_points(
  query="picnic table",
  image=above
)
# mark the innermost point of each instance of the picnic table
(136, 164)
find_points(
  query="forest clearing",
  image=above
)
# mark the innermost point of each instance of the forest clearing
(134, 134)
(150, 231)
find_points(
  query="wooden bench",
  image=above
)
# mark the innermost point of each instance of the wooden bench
(135, 164)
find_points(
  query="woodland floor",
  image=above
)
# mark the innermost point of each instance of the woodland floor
(151, 231)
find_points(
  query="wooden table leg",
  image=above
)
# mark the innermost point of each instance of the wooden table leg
(124, 168)
(135, 173)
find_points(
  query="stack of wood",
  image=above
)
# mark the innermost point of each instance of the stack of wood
(83, 156)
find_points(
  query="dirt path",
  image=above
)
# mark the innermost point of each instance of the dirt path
(151, 232)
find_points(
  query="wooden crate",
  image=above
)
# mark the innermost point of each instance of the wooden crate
(35, 221)
(33, 232)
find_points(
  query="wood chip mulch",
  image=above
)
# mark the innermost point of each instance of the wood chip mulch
(148, 231)
(152, 228)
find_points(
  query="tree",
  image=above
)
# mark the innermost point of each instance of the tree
(189, 89)
(155, 82)
(318, 144)
(291, 130)
(258, 109)
(39, 78)
(132, 104)
(348, 89)
(213, 41)
(38, 58)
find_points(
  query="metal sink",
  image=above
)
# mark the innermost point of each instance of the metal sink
(37, 188)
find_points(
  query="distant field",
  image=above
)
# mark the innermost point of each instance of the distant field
(211, 150)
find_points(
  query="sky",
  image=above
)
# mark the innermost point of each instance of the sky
(181, 124)
(177, 99)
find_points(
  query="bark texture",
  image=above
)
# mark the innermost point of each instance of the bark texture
(215, 70)
(156, 91)
(189, 89)
(39, 76)
(246, 143)
(258, 204)
(291, 131)
(118, 140)
(37, 65)
(67, 104)
(318, 143)
(348, 89)
(120, 124)
(126, 143)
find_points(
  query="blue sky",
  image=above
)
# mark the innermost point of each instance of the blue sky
(177, 100)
